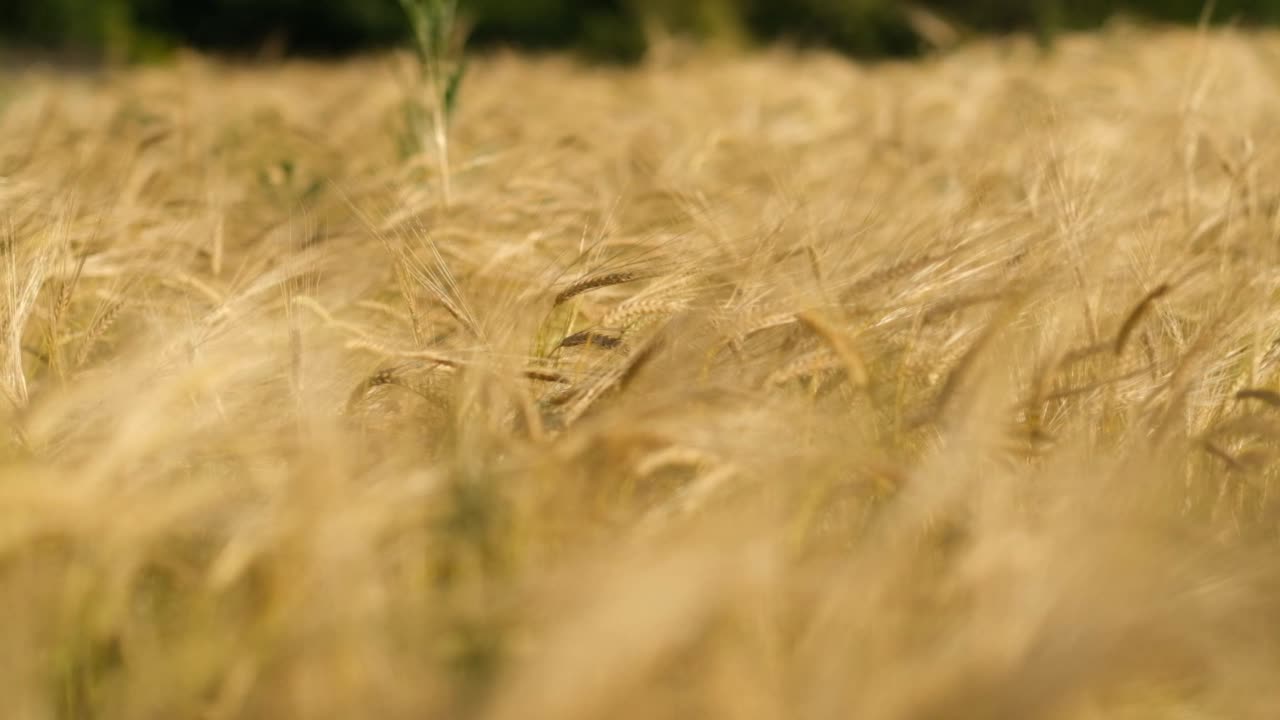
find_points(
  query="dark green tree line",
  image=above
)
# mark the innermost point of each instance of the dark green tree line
(609, 28)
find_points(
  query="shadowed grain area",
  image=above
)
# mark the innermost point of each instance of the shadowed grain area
(722, 387)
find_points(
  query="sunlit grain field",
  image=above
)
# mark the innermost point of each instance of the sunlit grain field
(722, 387)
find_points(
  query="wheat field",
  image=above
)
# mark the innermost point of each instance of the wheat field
(725, 386)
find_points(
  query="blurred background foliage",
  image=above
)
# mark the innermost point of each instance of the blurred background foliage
(617, 29)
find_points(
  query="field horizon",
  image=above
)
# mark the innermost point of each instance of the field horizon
(768, 385)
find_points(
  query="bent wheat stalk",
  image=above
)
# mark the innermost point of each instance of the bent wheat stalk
(1135, 316)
